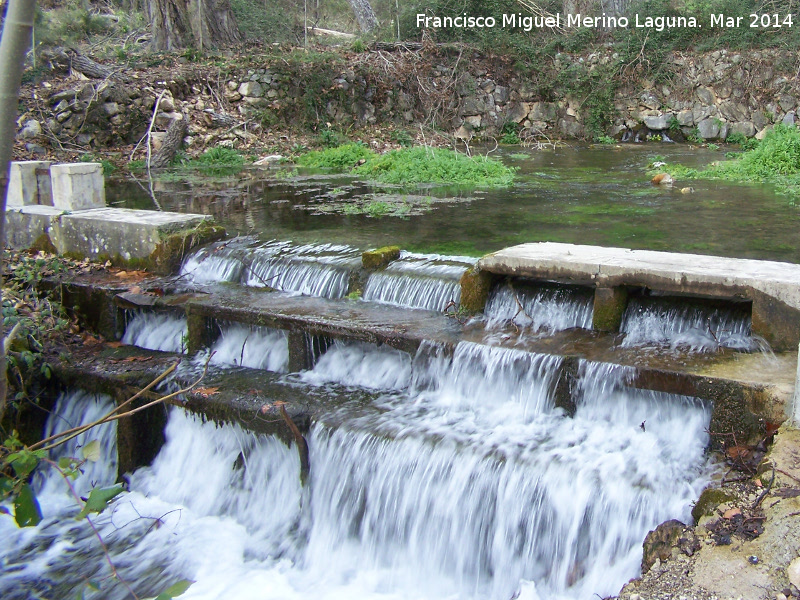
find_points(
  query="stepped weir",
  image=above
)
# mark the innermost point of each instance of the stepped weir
(501, 428)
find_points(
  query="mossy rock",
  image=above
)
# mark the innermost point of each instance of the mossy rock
(377, 259)
(43, 243)
(475, 288)
(710, 499)
(609, 306)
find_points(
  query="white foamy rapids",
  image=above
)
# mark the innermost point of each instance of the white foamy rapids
(426, 281)
(312, 269)
(309, 278)
(156, 331)
(34, 559)
(253, 347)
(653, 322)
(408, 291)
(506, 384)
(544, 309)
(362, 365)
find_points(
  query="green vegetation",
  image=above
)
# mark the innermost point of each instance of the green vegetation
(216, 162)
(412, 166)
(510, 133)
(775, 160)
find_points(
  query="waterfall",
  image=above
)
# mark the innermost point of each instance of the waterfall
(665, 322)
(459, 480)
(425, 281)
(156, 331)
(539, 308)
(312, 269)
(252, 347)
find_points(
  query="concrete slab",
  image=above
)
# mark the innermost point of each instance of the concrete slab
(126, 233)
(773, 287)
(78, 186)
(714, 276)
(29, 183)
(26, 224)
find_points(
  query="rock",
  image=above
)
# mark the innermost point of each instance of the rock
(659, 122)
(473, 106)
(256, 102)
(789, 119)
(659, 543)
(61, 117)
(709, 128)
(53, 126)
(364, 111)
(517, 112)
(685, 118)
(500, 94)
(786, 102)
(706, 95)
(571, 128)
(61, 106)
(84, 139)
(111, 108)
(267, 160)
(164, 120)
(30, 130)
(688, 190)
(488, 86)
(649, 101)
(734, 111)
(167, 104)
(793, 572)
(272, 94)
(543, 111)
(251, 89)
(474, 121)
(463, 133)
(380, 257)
(232, 86)
(762, 134)
(711, 497)
(232, 96)
(36, 149)
(746, 128)
(662, 179)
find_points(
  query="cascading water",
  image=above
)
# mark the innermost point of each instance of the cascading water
(663, 322)
(539, 308)
(313, 270)
(426, 281)
(457, 488)
(252, 347)
(156, 331)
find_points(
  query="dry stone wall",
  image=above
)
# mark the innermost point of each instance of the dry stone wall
(707, 97)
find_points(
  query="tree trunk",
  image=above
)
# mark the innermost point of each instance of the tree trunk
(15, 42)
(192, 24)
(172, 143)
(367, 21)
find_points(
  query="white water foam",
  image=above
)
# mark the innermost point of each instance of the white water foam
(546, 309)
(362, 365)
(459, 489)
(252, 347)
(655, 322)
(156, 331)
(425, 281)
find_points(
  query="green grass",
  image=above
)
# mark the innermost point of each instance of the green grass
(775, 160)
(409, 166)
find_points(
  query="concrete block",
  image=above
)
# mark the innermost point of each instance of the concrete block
(78, 186)
(29, 183)
(26, 224)
(609, 306)
(119, 232)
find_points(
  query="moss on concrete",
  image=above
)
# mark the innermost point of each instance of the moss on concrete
(710, 499)
(379, 258)
(609, 305)
(475, 287)
(43, 243)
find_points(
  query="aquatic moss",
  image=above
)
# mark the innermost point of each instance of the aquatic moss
(412, 165)
(379, 258)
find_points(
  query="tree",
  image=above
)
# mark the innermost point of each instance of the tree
(16, 40)
(192, 24)
(367, 21)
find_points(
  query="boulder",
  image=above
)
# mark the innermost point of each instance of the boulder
(658, 123)
(543, 111)
(660, 543)
(709, 128)
(251, 89)
(30, 130)
(746, 128)
(706, 95)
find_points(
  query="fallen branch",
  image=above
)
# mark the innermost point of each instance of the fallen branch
(302, 445)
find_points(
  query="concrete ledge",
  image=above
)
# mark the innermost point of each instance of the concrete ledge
(772, 287)
(25, 225)
(118, 232)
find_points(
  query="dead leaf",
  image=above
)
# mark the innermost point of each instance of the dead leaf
(206, 392)
(115, 344)
(731, 513)
(135, 289)
(137, 358)
(739, 452)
